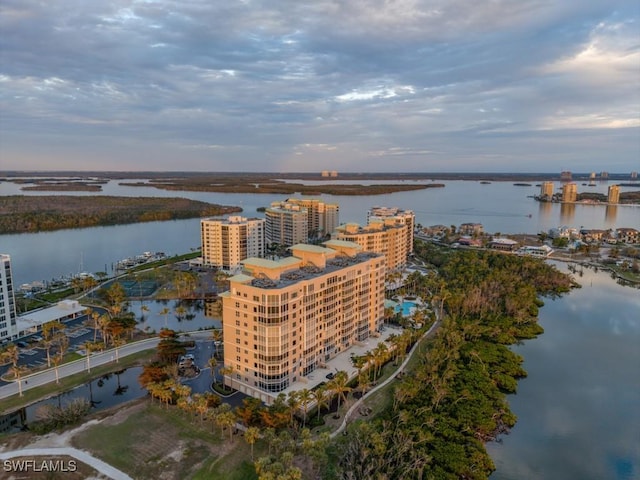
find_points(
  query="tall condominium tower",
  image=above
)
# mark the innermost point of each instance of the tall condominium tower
(383, 235)
(569, 192)
(228, 241)
(286, 224)
(613, 195)
(8, 327)
(322, 218)
(283, 319)
(546, 191)
(397, 216)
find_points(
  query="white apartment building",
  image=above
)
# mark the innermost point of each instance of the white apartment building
(397, 216)
(286, 224)
(228, 241)
(8, 317)
(322, 218)
(284, 319)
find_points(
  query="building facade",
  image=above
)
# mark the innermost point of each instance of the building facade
(8, 317)
(322, 218)
(228, 241)
(397, 216)
(569, 192)
(546, 191)
(283, 319)
(286, 224)
(613, 194)
(383, 236)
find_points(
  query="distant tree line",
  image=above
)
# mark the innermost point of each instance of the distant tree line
(30, 214)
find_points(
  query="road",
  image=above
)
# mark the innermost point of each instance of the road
(77, 366)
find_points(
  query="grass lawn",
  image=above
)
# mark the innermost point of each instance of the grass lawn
(155, 442)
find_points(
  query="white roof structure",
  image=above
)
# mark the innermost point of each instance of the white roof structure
(31, 321)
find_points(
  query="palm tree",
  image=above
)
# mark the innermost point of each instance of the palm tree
(304, 397)
(216, 336)
(165, 311)
(180, 311)
(320, 398)
(95, 316)
(293, 402)
(18, 371)
(213, 363)
(251, 435)
(143, 310)
(62, 344)
(88, 347)
(339, 387)
(103, 323)
(227, 419)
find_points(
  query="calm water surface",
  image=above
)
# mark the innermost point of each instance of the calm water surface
(499, 206)
(579, 408)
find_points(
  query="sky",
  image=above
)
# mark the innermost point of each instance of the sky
(304, 86)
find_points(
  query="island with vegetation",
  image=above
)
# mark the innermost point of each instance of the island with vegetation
(30, 214)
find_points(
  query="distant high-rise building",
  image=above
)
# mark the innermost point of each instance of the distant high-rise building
(286, 224)
(604, 175)
(282, 320)
(613, 195)
(228, 241)
(634, 175)
(322, 218)
(398, 216)
(8, 326)
(569, 192)
(565, 176)
(546, 191)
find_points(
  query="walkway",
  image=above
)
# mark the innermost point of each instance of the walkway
(84, 457)
(392, 377)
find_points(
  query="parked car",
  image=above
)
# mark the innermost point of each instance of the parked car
(22, 344)
(330, 375)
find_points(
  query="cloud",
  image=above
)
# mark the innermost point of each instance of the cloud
(245, 84)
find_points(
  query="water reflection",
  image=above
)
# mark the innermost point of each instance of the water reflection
(104, 392)
(178, 315)
(544, 210)
(567, 212)
(610, 214)
(577, 409)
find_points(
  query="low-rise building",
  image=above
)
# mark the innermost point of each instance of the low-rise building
(473, 229)
(628, 235)
(31, 322)
(503, 244)
(535, 250)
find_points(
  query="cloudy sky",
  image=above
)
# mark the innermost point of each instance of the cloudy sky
(351, 85)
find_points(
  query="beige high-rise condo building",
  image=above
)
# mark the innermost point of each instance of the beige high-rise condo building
(397, 216)
(228, 241)
(546, 191)
(8, 327)
(286, 224)
(283, 319)
(382, 235)
(322, 218)
(569, 192)
(613, 195)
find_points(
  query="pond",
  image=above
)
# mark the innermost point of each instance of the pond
(103, 392)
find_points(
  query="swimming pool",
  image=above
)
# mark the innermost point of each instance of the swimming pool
(407, 307)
